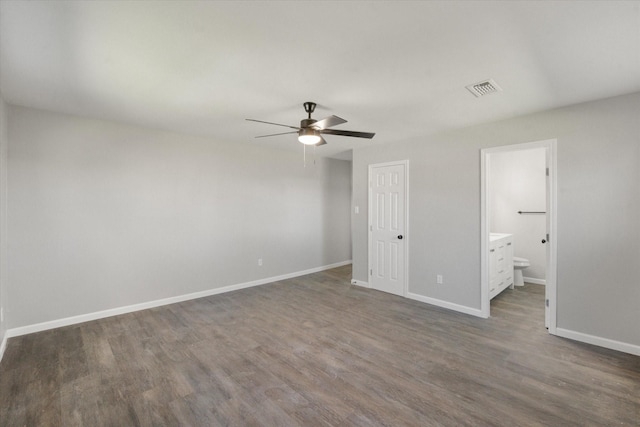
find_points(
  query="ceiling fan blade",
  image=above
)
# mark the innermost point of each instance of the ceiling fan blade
(276, 134)
(328, 122)
(322, 142)
(348, 133)
(271, 123)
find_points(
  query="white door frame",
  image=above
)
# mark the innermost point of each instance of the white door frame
(406, 235)
(550, 147)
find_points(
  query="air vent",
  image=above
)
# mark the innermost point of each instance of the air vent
(484, 88)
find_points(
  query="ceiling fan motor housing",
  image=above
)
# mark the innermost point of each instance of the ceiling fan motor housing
(305, 123)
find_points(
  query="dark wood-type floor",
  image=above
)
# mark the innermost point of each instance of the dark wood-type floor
(316, 351)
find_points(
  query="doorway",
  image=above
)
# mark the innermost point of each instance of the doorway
(549, 230)
(388, 237)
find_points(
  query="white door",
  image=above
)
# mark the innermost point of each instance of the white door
(545, 240)
(387, 228)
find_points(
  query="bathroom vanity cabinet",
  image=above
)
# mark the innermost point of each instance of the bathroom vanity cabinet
(500, 263)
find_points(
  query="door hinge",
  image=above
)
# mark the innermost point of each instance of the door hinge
(371, 228)
(546, 302)
(371, 272)
(547, 171)
(547, 237)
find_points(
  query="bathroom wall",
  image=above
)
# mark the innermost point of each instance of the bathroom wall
(518, 183)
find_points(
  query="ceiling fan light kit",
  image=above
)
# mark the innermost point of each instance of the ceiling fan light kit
(309, 136)
(310, 130)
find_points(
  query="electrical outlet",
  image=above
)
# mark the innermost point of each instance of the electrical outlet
(1, 314)
(259, 262)
(357, 210)
(439, 279)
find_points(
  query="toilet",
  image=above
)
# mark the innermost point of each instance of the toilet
(519, 264)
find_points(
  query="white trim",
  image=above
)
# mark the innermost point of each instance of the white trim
(550, 146)
(599, 341)
(406, 227)
(535, 281)
(360, 283)
(406, 234)
(23, 330)
(446, 304)
(3, 345)
(485, 300)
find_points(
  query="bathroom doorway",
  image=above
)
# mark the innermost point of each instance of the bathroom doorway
(529, 219)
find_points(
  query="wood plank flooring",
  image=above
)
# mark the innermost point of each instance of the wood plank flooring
(313, 351)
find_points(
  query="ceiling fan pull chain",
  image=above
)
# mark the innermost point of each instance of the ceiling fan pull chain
(304, 154)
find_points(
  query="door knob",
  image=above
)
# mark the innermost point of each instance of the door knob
(400, 237)
(544, 241)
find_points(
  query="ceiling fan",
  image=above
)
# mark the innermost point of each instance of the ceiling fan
(310, 130)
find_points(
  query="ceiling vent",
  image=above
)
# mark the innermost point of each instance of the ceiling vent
(484, 88)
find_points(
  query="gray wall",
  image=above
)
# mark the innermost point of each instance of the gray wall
(598, 210)
(104, 215)
(518, 183)
(3, 216)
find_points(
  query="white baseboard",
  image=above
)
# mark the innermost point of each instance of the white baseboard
(445, 304)
(23, 330)
(360, 283)
(599, 341)
(535, 281)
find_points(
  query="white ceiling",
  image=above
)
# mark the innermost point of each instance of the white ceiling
(395, 68)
